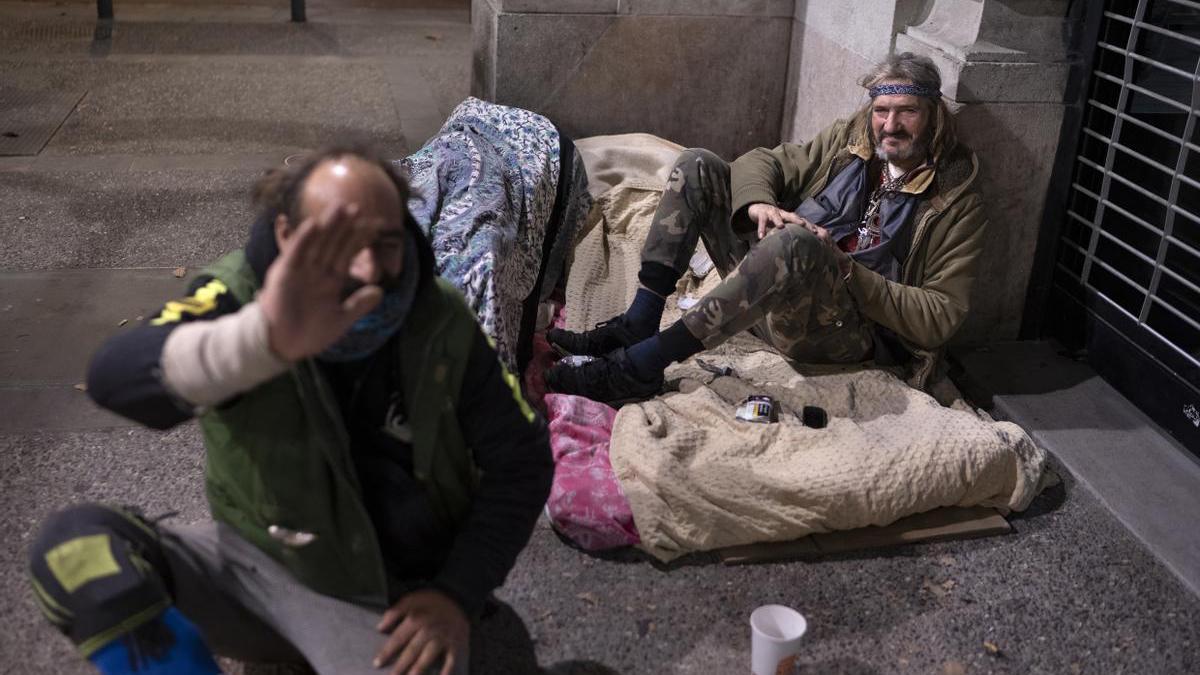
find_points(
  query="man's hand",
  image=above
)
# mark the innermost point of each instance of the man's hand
(769, 217)
(772, 217)
(302, 292)
(425, 625)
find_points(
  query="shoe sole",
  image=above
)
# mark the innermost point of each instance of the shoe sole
(561, 351)
(617, 404)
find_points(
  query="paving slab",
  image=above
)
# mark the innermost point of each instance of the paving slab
(55, 219)
(1149, 481)
(233, 36)
(194, 105)
(52, 321)
(28, 118)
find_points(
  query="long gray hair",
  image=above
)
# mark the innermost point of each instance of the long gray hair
(921, 71)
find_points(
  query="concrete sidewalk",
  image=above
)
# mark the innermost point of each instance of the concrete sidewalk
(150, 171)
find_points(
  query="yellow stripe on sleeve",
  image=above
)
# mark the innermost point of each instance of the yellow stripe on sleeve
(203, 301)
(513, 384)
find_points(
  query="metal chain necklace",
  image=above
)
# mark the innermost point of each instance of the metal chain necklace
(868, 228)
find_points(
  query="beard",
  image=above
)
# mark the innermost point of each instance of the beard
(917, 148)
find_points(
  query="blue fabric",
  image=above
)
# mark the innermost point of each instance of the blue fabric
(651, 356)
(645, 312)
(839, 208)
(372, 331)
(187, 656)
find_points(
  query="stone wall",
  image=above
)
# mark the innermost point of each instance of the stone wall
(833, 44)
(708, 73)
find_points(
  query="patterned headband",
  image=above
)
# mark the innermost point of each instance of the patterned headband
(904, 89)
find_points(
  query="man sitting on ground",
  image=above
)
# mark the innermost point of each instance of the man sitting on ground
(861, 243)
(371, 466)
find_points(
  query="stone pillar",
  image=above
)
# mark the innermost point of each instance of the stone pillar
(834, 44)
(1005, 63)
(708, 73)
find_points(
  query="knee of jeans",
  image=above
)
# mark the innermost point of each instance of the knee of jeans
(800, 240)
(690, 159)
(795, 245)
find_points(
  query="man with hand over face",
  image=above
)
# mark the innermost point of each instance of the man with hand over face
(372, 469)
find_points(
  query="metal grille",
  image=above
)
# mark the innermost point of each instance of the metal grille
(1132, 236)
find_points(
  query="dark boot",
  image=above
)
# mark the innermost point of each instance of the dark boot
(609, 379)
(615, 333)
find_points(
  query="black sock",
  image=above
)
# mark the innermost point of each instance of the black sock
(658, 278)
(651, 356)
(645, 312)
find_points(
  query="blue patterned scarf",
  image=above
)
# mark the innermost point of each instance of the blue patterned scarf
(372, 331)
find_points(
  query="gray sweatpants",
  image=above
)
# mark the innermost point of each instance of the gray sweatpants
(251, 608)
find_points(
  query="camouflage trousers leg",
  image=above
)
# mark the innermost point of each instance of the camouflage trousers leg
(695, 206)
(788, 291)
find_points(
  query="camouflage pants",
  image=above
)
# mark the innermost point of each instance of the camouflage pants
(786, 289)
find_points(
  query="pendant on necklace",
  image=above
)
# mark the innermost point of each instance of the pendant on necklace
(865, 238)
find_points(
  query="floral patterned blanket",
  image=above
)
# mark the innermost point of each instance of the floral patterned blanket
(501, 195)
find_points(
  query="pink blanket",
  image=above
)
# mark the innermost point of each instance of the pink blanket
(586, 504)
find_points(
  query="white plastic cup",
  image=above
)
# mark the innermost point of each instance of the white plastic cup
(775, 633)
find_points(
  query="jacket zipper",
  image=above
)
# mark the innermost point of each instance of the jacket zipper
(342, 442)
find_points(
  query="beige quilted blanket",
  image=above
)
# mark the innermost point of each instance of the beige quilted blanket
(697, 479)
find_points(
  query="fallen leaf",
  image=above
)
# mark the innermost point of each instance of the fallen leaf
(140, 318)
(122, 322)
(954, 668)
(179, 272)
(946, 561)
(937, 590)
(81, 386)
(991, 648)
(587, 597)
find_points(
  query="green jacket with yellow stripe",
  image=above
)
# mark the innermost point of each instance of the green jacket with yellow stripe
(279, 468)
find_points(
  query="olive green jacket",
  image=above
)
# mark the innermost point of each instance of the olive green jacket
(931, 300)
(279, 468)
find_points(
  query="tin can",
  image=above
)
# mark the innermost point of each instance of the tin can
(760, 409)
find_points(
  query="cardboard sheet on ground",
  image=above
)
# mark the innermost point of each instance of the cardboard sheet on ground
(951, 522)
